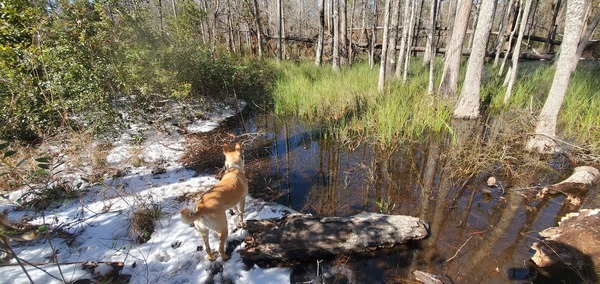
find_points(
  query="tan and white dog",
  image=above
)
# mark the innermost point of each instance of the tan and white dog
(209, 213)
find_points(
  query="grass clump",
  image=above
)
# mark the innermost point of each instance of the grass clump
(348, 102)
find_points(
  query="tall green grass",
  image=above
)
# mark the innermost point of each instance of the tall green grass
(349, 103)
(579, 119)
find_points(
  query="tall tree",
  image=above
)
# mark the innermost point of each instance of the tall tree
(468, 101)
(545, 130)
(384, 45)
(588, 33)
(279, 30)
(373, 36)
(344, 32)
(391, 51)
(451, 70)
(336, 35)
(256, 14)
(512, 74)
(403, 40)
(411, 28)
(431, 34)
(431, 44)
(319, 52)
(502, 30)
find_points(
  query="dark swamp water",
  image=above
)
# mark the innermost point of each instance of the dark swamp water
(478, 234)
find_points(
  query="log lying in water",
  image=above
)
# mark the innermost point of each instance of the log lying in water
(571, 248)
(575, 184)
(299, 237)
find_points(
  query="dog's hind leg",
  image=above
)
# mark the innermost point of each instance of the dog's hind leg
(240, 208)
(222, 240)
(204, 234)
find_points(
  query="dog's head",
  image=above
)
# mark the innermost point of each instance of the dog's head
(233, 157)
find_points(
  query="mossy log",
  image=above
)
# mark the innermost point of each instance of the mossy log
(300, 237)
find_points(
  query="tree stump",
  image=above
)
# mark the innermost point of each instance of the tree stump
(285, 241)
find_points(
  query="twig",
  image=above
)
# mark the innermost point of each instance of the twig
(11, 251)
(454, 256)
(559, 140)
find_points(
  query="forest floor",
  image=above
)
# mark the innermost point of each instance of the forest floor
(100, 226)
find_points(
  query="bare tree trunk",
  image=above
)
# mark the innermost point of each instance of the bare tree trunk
(451, 71)
(431, 44)
(468, 101)
(279, 31)
(174, 8)
(474, 24)
(510, 39)
(384, 45)
(344, 32)
(230, 38)
(373, 36)
(515, 56)
(411, 28)
(258, 28)
(319, 52)
(588, 33)
(336, 35)
(545, 130)
(391, 56)
(549, 46)
(404, 39)
(350, 48)
(502, 30)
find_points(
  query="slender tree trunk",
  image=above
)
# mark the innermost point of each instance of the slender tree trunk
(279, 31)
(431, 44)
(350, 47)
(404, 39)
(510, 39)
(384, 45)
(549, 45)
(468, 101)
(344, 32)
(258, 28)
(588, 33)
(545, 130)
(411, 28)
(502, 30)
(230, 38)
(451, 70)
(373, 36)
(174, 9)
(319, 52)
(393, 32)
(336, 35)
(515, 56)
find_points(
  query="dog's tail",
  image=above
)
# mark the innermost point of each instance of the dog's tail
(188, 216)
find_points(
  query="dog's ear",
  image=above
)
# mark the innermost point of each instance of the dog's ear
(238, 147)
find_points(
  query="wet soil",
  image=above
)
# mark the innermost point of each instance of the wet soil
(479, 234)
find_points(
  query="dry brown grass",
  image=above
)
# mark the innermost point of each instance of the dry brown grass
(142, 222)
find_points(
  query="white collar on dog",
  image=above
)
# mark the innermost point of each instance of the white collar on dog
(235, 167)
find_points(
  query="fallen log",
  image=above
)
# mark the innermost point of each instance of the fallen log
(574, 185)
(294, 238)
(571, 251)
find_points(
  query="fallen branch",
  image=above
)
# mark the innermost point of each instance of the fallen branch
(454, 256)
